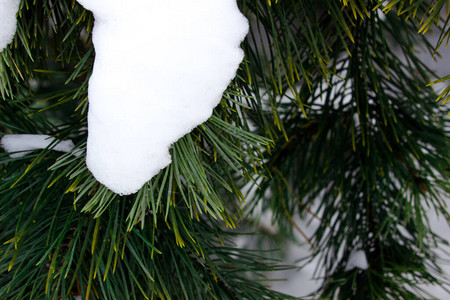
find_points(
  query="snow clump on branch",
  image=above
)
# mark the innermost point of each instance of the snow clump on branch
(8, 21)
(160, 69)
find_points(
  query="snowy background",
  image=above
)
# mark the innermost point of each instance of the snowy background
(300, 282)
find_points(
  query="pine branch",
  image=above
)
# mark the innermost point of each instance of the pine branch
(371, 155)
(330, 110)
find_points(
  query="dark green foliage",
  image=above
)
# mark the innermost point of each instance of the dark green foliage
(371, 156)
(60, 251)
(63, 233)
(330, 115)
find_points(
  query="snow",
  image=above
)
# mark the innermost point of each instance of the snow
(8, 22)
(357, 259)
(26, 142)
(160, 69)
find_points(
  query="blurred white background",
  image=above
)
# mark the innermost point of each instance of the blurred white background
(300, 282)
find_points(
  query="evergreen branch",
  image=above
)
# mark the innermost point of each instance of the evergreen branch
(361, 157)
(331, 102)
